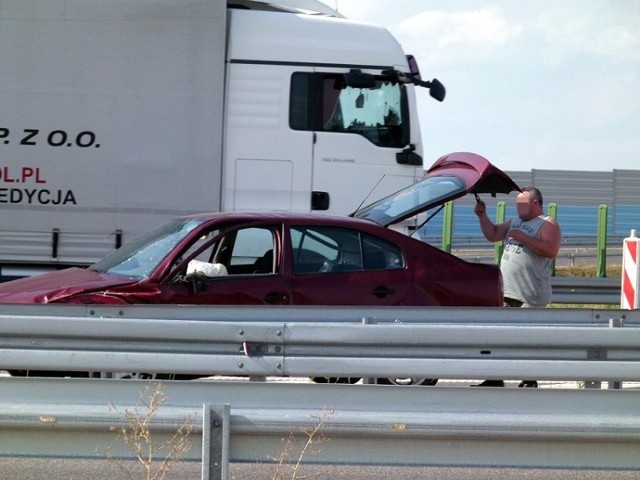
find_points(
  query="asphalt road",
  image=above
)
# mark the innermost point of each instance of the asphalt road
(54, 469)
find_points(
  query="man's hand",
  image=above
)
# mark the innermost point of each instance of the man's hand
(480, 209)
(519, 236)
(546, 244)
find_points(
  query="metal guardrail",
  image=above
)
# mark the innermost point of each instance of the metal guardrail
(586, 290)
(353, 314)
(544, 353)
(299, 347)
(245, 422)
(449, 426)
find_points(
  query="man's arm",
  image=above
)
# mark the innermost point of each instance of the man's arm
(548, 242)
(493, 233)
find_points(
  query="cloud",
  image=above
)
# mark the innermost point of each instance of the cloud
(608, 30)
(620, 43)
(452, 36)
(542, 84)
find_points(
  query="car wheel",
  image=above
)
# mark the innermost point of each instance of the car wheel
(349, 380)
(46, 373)
(407, 381)
(133, 375)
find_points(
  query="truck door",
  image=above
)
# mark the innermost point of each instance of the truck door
(359, 125)
(267, 165)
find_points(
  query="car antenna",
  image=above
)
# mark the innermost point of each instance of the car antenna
(368, 195)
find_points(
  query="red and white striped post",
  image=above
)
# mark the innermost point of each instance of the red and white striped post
(630, 272)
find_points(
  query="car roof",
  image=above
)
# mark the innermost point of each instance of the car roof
(271, 216)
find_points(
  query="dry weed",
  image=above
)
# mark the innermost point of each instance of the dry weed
(155, 459)
(289, 461)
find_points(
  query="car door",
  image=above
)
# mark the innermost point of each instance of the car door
(240, 266)
(343, 266)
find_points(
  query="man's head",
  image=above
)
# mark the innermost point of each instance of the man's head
(529, 203)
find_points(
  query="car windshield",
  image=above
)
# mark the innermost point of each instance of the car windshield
(422, 196)
(140, 257)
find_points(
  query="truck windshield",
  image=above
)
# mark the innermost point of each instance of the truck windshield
(377, 113)
(140, 257)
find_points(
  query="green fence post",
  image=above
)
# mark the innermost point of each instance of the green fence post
(601, 264)
(552, 211)
(499, 246)
(447, 227)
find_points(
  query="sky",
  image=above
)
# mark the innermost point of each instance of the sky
(531, 84)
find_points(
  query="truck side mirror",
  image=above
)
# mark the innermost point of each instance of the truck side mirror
(437, 90)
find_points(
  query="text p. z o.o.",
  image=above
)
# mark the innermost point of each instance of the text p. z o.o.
(31, 137)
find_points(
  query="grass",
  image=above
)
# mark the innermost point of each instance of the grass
(587, 271)
(594, 306)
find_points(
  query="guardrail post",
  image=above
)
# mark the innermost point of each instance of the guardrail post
(499, 246)
(601, 245)
(369, 321)
(552, 211)
(616, 323)
(447, 227)
(595, 354)
(216, 433)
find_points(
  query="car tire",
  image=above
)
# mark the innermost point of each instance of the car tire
(134, 376)
(345, 380)
(46, 373)
(407, 381)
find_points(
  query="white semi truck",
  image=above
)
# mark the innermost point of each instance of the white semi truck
(117, 114)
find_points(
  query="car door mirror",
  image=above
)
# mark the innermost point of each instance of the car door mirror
(197, 281)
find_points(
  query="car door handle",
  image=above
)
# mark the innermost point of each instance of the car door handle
(274, 298)
(382, 292)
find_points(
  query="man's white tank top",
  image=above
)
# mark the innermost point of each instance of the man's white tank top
(526, 274)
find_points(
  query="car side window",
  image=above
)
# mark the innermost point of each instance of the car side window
(242, 251)
(313, 248)
(248, 250)
(379, 254)
(331, 249)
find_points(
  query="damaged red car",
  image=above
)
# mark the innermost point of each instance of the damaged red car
(291, 259)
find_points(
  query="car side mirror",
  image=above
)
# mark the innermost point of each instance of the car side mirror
(198, 281)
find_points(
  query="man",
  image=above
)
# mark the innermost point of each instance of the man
(531, 241)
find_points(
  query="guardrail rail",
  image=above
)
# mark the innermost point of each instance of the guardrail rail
(244, 422)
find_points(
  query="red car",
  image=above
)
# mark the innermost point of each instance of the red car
(291, 259)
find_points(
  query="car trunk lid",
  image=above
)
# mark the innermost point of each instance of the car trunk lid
(451, 176)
